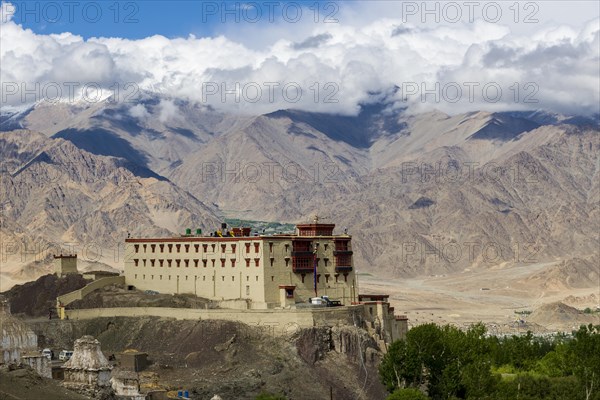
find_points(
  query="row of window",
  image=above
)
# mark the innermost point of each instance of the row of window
(196, 247)
(168, 277)
(299, 262)
(327, 277)
(186, 263)
(169, 247)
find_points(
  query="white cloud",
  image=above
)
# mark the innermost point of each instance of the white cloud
(336, 66)
(168, 111)
(139, 111)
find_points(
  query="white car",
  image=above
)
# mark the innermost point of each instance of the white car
(65, 355)
(47, 353)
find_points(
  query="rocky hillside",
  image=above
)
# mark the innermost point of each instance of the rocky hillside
(234, 360)
(421, 194)
(58, 198)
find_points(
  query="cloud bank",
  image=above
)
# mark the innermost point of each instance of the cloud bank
(333, 68)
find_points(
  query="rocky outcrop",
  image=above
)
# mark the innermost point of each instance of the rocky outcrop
(314, 344)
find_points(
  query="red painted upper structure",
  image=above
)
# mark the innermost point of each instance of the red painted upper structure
(315, 229)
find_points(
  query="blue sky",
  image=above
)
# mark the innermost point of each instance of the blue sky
(139, 19)
(542, 51)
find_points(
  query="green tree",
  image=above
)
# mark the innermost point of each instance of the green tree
(397, 369)
(585, 352)
(407, 394)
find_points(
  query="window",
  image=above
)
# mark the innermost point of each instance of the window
(160, 277)
(204, 247)
(289, 293)
(186, 277)
(256, 261)
(152, 277)
(326, 261)
(162, 248)
(326, 278)
(256, 278)
(144, 246)
(196, 262)
(222, 263)
(187, 263)
(247, 247)
(247, 262)
(256, 247)
(232, 278)
(144, 277)
(287, 247)
(287, 262)
(223, 278)
(169, 263)
(341, 245)
(336, 277)
(178, 262)
(160, 262)
(204, 263)
(345, 277)
(197, 248)
(169, 277)
(187, 248)
(272, 279)
(326, 246)
(271, 247)
(223, 246)
(247, 290)
(213, 247)
(233, 248)
(137, 248)
(144, 262)
(153, 248)
(178, 247)
(213, 262)
(247, 278)
(272, 261)
(135, 276)
(303, 275)
(318, 278)
(136, 261)
(233, 263)
(204, 277)
(152, 263)
(170, 246)
(303, 263)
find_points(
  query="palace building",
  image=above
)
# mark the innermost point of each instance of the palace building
(265, 271)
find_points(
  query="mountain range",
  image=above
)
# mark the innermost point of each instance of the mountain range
(422, 194)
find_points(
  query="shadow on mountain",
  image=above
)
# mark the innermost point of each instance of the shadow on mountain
(10, 121)
(422, 202)
(102, 142)
(504, 128)
(359, 131)
(183, 132)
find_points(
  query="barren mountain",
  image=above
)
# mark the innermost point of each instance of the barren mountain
(59, 198)
(421, 194)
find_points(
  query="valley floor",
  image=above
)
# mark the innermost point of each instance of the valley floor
(491, 296)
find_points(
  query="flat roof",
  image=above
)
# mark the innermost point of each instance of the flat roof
(183, 239)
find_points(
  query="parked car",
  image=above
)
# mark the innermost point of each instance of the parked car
(49, 354)
(325, 301)
(65, 355)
